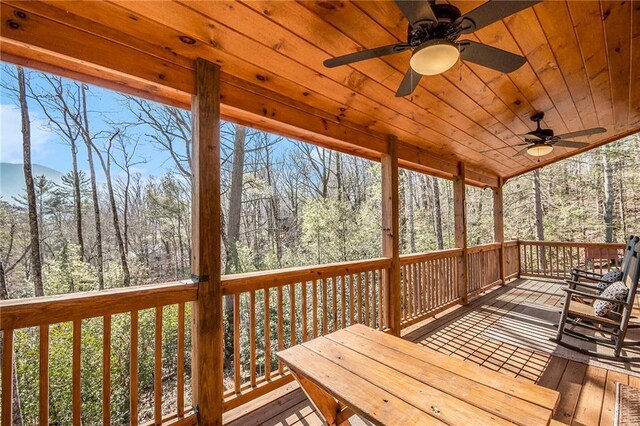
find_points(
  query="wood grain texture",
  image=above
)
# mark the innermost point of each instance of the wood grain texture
(580, 70)
(207, 310)
(391, 235)
(30, 312)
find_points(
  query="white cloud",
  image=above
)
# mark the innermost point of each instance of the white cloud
(11, 134)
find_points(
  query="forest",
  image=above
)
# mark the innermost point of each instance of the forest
(120, 216)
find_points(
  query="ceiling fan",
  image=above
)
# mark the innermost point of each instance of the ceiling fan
(432, 36)
(540, 142)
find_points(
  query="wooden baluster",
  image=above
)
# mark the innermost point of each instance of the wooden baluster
(106, 370)
(352, 304)
(75, 373)
(133, 367)
(334, 290)
(252, 336)
(267, 334)
(325, 307)
(236, 342)
(558, 262)
(367, 306)
(157, 368)
(357, 282)
(314, 301)
(343, 301)
(43, 416)
(381, 301)
(180, 372)
(524, 256)
(304, 310)
(292, 317)
(375, 310)
(281, 327)
(7, 377)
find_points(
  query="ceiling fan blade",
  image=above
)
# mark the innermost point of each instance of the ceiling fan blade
(530, 137)
(571, 144)
(490, 57)
(522, 152)
(585, 132)
(503, 147)
(409, 83)
(366, 54)
(417, 10)
(490, 12)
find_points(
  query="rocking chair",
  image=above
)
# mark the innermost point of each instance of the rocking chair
(580, 314)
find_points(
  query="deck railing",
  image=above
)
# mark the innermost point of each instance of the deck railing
(275, 310)
(47, 322)
(550, 259)
(429, 284)
(272, 310)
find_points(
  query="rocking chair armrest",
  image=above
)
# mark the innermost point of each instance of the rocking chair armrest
(585, 272)
(573, 284)
(572, 292)
(586, 277)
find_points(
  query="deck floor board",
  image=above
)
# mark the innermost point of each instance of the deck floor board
(587, 392)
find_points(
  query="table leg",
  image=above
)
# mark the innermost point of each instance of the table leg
(326, 405)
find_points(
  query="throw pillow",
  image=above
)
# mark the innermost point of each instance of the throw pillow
(616, 291)
(610, 277)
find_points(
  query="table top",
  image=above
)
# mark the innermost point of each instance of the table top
(388, 380)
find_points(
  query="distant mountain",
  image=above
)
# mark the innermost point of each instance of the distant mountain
(12, 179)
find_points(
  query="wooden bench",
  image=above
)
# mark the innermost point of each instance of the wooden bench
(387, 380)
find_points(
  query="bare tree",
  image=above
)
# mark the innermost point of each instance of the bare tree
(538, 205)
(36, 257)
(105, 160)
(609, 195)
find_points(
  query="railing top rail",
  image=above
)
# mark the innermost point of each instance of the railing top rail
(572, 244)
(237, 283)
(436, 254)
(35, 311)
(483, 247)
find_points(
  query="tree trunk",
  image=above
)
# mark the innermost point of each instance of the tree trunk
(410, 218)
(538, 205)
(609, 195)
(235, 200)
(437, 212)
(77, 199)
(232, 263)
(106, 167)
(36, 259)
(86, 136)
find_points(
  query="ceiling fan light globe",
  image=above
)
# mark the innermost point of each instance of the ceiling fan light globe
(539, 150)
(434, 57)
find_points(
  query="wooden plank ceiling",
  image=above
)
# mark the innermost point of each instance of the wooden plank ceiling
(582, 70)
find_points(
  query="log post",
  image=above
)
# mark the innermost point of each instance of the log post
(460, 217)
(498, 226)
(208, 343)
(391, 234)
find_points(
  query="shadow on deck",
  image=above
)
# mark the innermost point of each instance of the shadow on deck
(587, 391)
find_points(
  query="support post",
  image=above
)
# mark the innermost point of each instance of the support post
(460, 217)
(498, 226)
(207, 375)
(391, 233)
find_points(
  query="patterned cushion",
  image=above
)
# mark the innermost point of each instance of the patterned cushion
(610, 277)
(616, 291)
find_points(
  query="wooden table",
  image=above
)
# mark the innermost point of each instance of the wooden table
(388, 380)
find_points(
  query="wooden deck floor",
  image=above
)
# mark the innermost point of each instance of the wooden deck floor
(587, 392)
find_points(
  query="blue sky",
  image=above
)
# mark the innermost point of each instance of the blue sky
(48, 148)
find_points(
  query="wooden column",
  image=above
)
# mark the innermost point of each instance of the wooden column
(207, 310)
(391, 233)
(498, 225)
(460, 217)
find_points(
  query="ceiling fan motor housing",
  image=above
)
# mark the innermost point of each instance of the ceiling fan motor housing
(425, 30)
